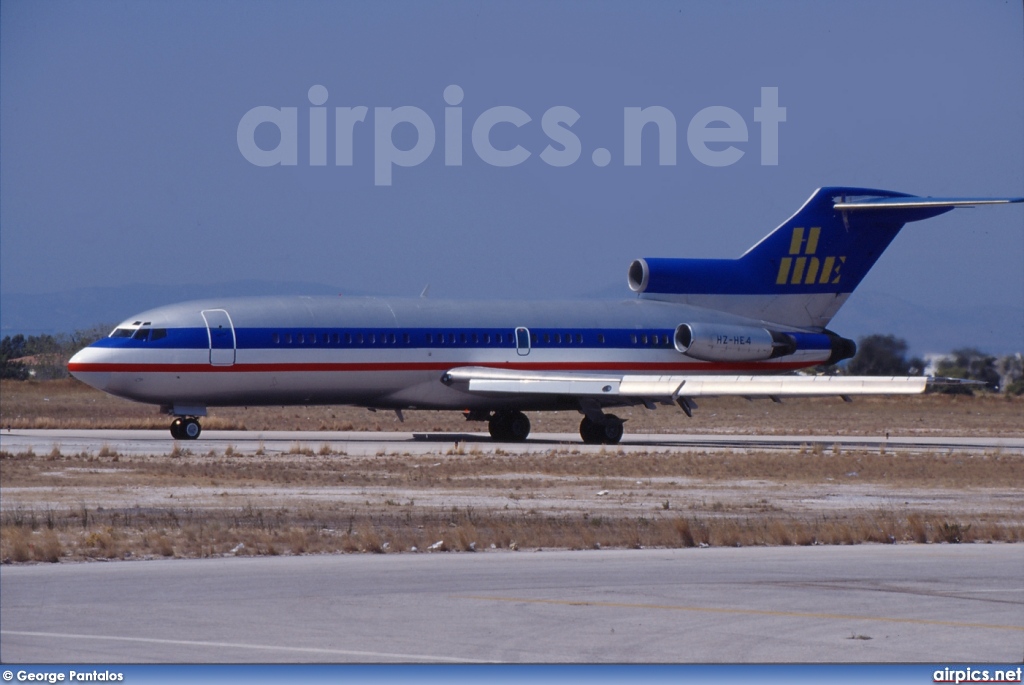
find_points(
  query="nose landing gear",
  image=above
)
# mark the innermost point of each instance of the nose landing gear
(185, 428)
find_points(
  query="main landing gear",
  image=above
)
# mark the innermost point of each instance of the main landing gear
(608, 432)
(509, 426)
(185, 428)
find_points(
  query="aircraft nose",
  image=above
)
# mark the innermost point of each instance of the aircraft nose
(85, 366)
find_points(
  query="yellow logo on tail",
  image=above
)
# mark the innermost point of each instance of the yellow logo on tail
(807, 269)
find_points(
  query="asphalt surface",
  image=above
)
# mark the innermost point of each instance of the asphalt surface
(135, 442)
(869, 603)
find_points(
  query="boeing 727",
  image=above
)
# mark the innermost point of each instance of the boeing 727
(696, 327)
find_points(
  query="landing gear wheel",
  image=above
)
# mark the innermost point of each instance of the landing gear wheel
(185, 429)
(519, 427)
(608, 433)
(191, 429)
(497, 426)
(612, 430)
(509, 426)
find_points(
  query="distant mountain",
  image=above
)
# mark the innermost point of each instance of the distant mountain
(995, 330)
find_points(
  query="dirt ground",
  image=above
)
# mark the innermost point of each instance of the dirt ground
(196, 501)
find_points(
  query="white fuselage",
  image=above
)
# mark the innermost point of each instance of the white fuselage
(392, 353)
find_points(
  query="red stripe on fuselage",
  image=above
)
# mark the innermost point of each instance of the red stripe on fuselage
(649, 367)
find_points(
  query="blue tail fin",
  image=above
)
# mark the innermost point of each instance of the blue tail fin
(803, 271)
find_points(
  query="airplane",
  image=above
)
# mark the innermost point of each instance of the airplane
(695, 328)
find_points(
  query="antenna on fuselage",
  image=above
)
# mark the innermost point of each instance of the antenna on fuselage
(426, 291)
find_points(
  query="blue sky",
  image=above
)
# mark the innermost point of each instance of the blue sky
(120, 161)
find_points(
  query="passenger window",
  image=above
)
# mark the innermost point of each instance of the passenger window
(632, 338)
(288, 338)
(275, 337)
(579, 338)
(558, 338)
(600, 338)
(487, 338)
(359, 338)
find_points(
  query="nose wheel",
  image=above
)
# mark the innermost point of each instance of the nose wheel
(186, 428)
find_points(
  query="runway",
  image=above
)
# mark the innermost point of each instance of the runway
(872, 603)
(861, 603)
(144, 442)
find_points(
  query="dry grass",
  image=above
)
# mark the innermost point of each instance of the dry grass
(200, 505)
(200, 501)
(83, 534)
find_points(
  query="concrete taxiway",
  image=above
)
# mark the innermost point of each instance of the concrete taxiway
(891, 603)
(134, 442)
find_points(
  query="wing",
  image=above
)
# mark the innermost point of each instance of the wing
(649, 387)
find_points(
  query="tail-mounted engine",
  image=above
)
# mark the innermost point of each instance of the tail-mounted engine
(733, 343)
(725, 343)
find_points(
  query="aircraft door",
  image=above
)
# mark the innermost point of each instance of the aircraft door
(523, 341)
(221, 333)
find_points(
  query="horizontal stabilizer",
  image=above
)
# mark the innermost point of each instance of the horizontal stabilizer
(920, 202)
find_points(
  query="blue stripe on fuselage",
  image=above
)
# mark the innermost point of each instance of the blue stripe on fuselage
(434, 338)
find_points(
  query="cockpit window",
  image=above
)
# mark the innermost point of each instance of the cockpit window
(139, 330)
